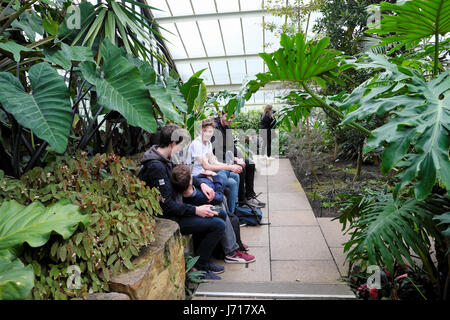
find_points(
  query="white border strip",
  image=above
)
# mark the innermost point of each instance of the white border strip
(273, 295)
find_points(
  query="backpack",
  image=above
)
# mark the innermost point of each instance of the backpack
(251, 216)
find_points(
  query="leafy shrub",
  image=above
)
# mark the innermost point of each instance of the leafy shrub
(121, 208)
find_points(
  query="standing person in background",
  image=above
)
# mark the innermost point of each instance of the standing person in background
(266, 125)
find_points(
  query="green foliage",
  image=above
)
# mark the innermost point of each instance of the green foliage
(46, 110)
(120, 24)
(416, 137)
(16, 280)
(34, 223)
(192, 276)
(384, 230)
(121, 209)
(247, 121)
(413, 21)
(300, 61)
(120, 87)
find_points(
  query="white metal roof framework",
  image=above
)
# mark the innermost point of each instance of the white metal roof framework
(223, 36)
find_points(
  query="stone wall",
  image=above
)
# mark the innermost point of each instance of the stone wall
(160, 268)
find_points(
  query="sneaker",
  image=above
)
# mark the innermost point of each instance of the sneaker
(255, 203)
(242, 224)
(210, 276)
(215, 268)
(245, 247)
(239, 257)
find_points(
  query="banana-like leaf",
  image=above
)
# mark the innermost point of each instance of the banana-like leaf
(34, 223)
(46, 110)
(413, 20)
(444, 220)
(120, 87)
(386, 230)
(166, 93)
(420, 119)
(16, 280)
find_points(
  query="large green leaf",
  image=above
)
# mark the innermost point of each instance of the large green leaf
(30, 23)
(64, 56)
(386, 230)
(34, 223)
(420, 122)
(15, 49)
(46, 110)
(120, 87)
(413, 20)
(16, 280)
(300, 61)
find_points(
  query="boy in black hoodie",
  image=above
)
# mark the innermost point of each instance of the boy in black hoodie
(156, 172)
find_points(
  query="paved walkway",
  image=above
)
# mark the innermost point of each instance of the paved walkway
(298, 256)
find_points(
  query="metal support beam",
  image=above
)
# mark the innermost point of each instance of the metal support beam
(218, 58)
(276, 85)
(212, 16)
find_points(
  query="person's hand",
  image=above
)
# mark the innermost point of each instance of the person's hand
(208, 191)
(205, 211)
(236, 168)
(208, 173)
(240, 161)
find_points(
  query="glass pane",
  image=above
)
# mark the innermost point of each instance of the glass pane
(191, 39)
(185, 71)
(253, 34)
(204, 6)
(227, 5)
(231, 29)
(237, 71)
(247, 5)
(220, 72)
(254, 66)
(161, 5)
(211, 37)
(173, 42)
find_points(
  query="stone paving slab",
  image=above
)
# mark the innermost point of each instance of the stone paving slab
(258, 270)
(332, 232)
(292, 218)
(288, 201)
(298, 243)
(306, 271)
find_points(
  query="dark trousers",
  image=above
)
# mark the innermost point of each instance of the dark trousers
(207, 233)
(246, 181)
(267, 142)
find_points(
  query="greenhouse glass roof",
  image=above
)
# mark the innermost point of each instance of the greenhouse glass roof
(223, 36)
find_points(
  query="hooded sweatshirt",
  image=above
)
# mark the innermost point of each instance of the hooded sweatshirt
(156, 172)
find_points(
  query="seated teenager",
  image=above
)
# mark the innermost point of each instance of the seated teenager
(223, 143)
(156, 172)
(201, 154)
(182, 182)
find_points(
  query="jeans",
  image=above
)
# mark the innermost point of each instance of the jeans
(228, 242)
(231, 181)
(212, 231)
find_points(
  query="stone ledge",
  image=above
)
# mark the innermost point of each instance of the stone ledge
(105, 296)
(160, 267)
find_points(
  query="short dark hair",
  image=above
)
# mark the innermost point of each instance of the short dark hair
(166, 136)
(181, 177)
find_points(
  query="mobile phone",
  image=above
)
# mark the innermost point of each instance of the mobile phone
(216, 208)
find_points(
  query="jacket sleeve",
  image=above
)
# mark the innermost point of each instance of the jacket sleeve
(218, 189)
(155, 175)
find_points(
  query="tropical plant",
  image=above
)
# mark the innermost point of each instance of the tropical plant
(192, 276)
(33, 225)
(121, 211)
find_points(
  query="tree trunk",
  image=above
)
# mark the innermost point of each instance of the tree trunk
(308, 139)
(359, 163)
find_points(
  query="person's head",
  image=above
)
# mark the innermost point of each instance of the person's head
(268, 109)
(181, 178)
(171, 136)
(223, 118)
(207, 129)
